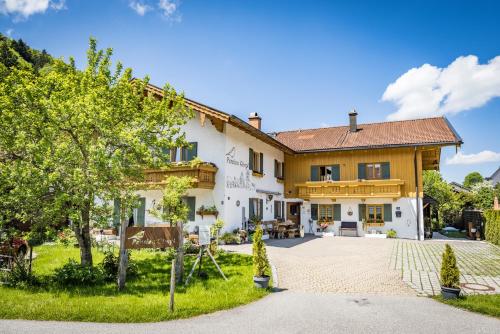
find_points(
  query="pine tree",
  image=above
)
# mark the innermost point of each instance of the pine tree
(450, 274)
(260, 263)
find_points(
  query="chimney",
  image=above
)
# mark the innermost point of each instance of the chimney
(255, 120)
(353, 122)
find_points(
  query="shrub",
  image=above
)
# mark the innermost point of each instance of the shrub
(230, 238)
(391, 233)
(450, 275)
(19, 274)
(74, 274)
(110, 265)
(260, 263)
(492, 227)
(66, 237)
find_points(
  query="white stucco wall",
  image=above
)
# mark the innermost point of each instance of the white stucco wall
(405, 226)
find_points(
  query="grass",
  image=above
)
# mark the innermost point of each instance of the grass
(484, 304)
(145, 298)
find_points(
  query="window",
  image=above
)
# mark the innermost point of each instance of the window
(279, 210)
(375, 213)
(186, 153)
(255, 208)
(325, 173)
(256, 162)
(279, 170)
(373, 171)
(190, 201)
(325, 213)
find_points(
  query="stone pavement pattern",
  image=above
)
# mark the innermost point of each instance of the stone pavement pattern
(419, 264)
(334, 264)
(296, 312)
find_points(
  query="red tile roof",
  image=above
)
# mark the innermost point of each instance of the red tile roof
(436, 131)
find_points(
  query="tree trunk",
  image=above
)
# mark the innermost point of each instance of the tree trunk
(82, 233)
(123, 264)
(179, 261)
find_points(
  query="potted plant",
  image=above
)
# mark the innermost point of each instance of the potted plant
(450, 274)
(260, 263)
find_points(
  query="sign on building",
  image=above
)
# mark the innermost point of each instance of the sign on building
(152, 237)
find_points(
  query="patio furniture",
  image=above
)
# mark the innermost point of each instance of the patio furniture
(291, 233)
(349, 226)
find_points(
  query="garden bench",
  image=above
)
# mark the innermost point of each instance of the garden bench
(349, 226)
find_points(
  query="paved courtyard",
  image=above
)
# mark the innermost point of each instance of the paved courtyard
(419, 264)
(378, 266)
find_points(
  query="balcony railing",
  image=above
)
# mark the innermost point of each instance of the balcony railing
(203, 175)
(350, 189)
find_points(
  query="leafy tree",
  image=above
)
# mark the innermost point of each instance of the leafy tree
(7, 57)
(483, 194)
(449, 207)
(472, 179)
(73, 136)
(23, 49)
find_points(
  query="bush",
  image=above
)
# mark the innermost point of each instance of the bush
(230, 238)
(74, 274)
(391, 233)
(492, 227)
(450, 275)
(260, 263)
(66, 237)
(110, 265)
(19, 275)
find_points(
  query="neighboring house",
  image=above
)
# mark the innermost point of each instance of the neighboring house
(495, 177)
(458, 188)
(370, 172)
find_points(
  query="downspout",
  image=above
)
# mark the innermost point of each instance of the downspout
(415, 165)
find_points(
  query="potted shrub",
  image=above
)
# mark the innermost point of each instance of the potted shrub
(450, 274)
(260, 263)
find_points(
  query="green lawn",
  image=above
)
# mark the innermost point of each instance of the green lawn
(145, 298)
(485, 304)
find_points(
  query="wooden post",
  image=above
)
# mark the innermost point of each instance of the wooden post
(31, 259)
(172, 287)
(122, 266)
(180, 255)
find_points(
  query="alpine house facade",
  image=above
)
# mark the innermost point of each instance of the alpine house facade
(369, 175)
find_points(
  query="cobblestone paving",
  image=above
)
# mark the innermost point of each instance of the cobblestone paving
(334, 264)
(418, 264)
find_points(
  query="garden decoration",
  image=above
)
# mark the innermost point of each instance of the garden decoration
(204, 241)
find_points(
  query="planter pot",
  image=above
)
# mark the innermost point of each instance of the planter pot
(261, 282)
(450, 293)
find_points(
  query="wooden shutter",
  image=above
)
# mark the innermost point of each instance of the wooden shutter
(362, 171)
(192, 151)
(276, 207)
(141, 212)
(116, 212)
(282, 209)
(275, 168)
(362, 211)
(336, 173)
(314, 173)
(387, 212)
(314, 211)
(261, 167)
(191, 204)
(261, 205)
(250, 159)
(337, 212)
(386, 170)
(251, 211)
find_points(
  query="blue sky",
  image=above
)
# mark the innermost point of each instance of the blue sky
(299, 64)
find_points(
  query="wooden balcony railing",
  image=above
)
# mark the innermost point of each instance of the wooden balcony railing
(203, 175)
(350, 189)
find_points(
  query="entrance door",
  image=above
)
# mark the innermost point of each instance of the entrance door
(293, 213)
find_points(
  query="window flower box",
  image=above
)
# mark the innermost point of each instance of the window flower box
(207, 211)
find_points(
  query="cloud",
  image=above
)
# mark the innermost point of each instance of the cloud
(169, 9)
(474, 158)
(22, 9)
(9, 32)
(140, 7)
(429, 91)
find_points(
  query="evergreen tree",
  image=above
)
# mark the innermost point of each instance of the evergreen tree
(7, 57)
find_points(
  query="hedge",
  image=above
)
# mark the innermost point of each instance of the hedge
(492, 228)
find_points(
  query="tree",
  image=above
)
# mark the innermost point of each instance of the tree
(450, 274)
(472, 178)
(260, 262)
(84, 135)
(7, 57)
(447, 201)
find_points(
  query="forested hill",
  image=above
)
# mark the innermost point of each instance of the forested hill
(19, 54)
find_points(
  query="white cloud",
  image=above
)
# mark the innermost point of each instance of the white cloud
(429, 91)
(9, 32)
(140, 7)
(22, 9)
(169, 9)
(474, 158)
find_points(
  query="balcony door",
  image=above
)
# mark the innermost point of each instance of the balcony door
(293, 213)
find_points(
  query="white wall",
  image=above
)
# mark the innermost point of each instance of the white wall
(405, 226)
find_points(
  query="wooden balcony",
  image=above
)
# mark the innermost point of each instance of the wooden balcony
(203, 175)
(350, 189)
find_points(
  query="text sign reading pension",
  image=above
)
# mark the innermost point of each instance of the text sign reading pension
(152, 237)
